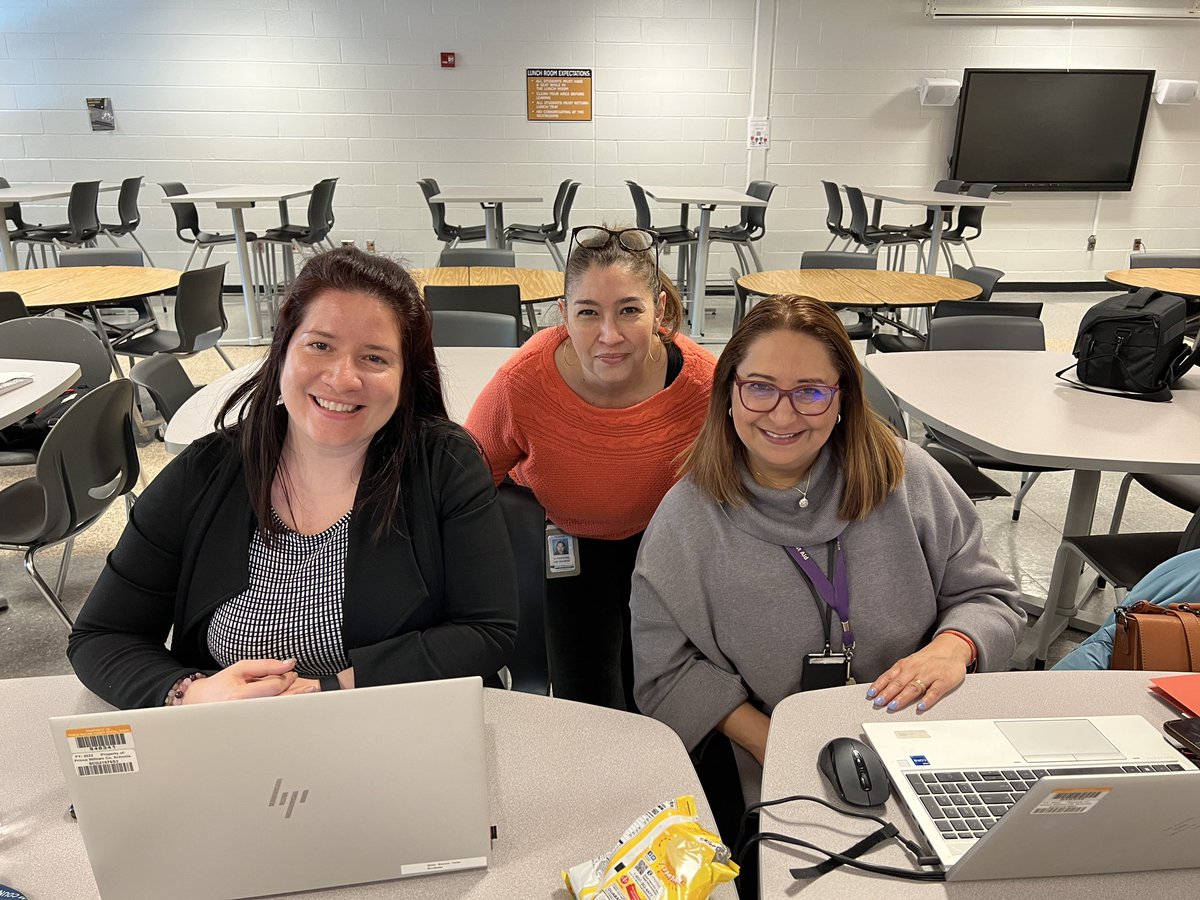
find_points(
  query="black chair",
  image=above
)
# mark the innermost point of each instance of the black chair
(924, 230)
(969, 226)
(113, 256)
(199, 320)
(164, 379)
(477, 256)
(81, 228)
(974, 483)
(187, 226)
(860, 326)
(489, 298)
(863, 234)
(669, 235)
(314, 236)
(12, 214)
(87, 461)
(751, 228)
(834, 214)
(741, 299)
(131, 217)
(552, 233)
(469, 328)
(452, 235)
(1177, 259)
(988, 332)
(11, 306)
(1181, 491)
(529, 667)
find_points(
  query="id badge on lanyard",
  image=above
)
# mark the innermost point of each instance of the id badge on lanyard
(829, 668)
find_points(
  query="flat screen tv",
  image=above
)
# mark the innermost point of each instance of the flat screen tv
(1051, 129)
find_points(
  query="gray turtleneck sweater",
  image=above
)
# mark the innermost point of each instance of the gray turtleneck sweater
(721, 615)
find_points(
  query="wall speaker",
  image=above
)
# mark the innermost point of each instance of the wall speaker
(1170, 91)
(938, 91)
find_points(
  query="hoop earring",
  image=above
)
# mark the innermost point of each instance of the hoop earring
(569, 347)
(654, 358)
(839, 419)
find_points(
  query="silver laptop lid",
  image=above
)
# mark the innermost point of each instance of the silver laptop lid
(287, 793)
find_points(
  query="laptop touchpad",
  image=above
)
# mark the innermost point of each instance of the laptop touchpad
(1058, 739)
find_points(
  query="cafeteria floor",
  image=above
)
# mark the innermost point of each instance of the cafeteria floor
(33, 639)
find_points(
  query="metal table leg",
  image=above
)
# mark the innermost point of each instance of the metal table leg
(696, 292)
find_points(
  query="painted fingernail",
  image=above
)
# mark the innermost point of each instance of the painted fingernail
(879, 701)
(895, 704)
(871, 692)
(921, 706)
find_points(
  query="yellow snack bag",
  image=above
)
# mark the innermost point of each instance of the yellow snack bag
(664, 855)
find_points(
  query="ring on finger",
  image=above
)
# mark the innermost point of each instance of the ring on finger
(919, 683)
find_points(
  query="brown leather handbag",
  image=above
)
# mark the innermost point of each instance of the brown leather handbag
(1157, 638)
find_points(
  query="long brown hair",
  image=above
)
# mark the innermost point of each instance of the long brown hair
(863, 445)
(262, 424)
(641, 264)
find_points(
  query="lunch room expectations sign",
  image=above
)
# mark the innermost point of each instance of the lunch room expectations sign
(558, 95)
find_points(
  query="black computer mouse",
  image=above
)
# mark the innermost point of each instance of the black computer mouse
(855, 772)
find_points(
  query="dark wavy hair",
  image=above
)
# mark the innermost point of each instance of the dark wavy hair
(262, 422)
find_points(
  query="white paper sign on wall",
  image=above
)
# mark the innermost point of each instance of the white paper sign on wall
(759, 133)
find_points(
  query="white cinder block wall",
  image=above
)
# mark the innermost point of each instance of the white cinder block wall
(267, 91)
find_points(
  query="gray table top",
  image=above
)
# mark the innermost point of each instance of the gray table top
(703, 196)
(1008, 403)
(929, 197)
(803, 723)
(565, 780)
(49, 380)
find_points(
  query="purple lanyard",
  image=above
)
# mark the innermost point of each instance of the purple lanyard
(836, 595)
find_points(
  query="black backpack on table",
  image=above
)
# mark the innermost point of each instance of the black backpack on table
(1132, 345)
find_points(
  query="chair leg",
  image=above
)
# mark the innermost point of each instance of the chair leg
(559, 262)
(195, 246)
(1119, 507)
(111, 239)
(228, 362)
(207, 254)
(44, 589)
(831, 240)
(742, 264)
(1027, 481)
(63, 565)
(142, 247)
(970, 255)
(758, 266)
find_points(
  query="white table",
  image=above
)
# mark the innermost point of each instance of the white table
(931, 200)
(1009, 404)
(803, 723)
(707, 199)
(49, 380)
(492, 200)
(31, 193)
(564, 780)
(465, 372)
(236, 199)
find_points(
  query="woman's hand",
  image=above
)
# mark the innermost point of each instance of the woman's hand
(929, 675)
(244, 679)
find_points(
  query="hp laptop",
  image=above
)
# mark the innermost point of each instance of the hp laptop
(1021, 798)
(254, 797)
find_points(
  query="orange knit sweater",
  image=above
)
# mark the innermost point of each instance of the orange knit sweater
(600, 473)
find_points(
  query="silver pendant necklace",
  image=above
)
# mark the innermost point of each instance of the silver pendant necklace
(803, 492)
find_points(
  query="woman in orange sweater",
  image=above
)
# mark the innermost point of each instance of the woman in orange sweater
(591, 416)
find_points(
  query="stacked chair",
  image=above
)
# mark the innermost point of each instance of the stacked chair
(553, 233)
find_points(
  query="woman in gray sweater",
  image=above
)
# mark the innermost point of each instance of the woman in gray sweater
(807, 546)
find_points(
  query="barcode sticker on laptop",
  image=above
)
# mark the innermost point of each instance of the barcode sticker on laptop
(106, 750)
(1071, 800)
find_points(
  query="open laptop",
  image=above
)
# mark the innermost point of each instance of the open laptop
(1020, 798)
(254, 797)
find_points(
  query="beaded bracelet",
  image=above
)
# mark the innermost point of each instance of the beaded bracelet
(970, 643)
(175, 694)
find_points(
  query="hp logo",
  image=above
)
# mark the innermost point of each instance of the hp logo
(286, 798)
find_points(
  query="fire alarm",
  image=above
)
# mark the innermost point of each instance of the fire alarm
(447, 60)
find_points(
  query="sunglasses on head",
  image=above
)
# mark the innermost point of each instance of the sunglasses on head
(597, 237)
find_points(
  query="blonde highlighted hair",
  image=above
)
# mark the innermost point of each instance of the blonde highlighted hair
(863, 445)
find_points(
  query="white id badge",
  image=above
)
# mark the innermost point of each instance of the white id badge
(562, 553)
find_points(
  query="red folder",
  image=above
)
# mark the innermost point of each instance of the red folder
(1181, 690)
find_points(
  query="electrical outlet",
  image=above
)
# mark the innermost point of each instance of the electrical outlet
(1091, 245)
(1138, 245)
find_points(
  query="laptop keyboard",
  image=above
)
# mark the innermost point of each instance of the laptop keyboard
(964, 805)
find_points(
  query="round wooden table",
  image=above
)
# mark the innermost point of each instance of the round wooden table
(871, 288)
(1181, 282)
(88, 286)
(537, 285)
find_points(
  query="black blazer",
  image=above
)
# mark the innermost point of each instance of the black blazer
(436, 600)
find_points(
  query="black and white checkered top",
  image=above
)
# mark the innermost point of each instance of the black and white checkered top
(293, 605)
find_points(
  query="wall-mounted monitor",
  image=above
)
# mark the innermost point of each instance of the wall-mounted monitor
(1051, 129)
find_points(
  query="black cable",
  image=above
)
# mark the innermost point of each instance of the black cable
(890, 871)
(757, 806)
